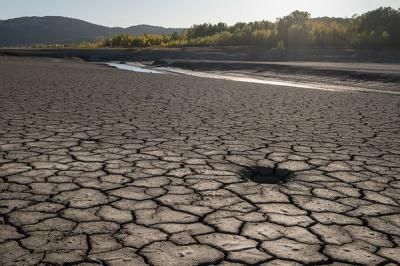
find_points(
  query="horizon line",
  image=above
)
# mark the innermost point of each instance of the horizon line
(181, 27)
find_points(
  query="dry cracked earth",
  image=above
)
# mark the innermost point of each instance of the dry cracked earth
(100, 166)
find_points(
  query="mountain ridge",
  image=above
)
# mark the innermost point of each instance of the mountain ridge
(25, 31)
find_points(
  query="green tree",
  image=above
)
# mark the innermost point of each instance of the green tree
(283, 25)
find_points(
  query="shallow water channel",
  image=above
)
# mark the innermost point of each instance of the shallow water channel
(142, 68)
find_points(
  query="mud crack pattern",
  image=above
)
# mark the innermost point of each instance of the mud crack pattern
(106, 167)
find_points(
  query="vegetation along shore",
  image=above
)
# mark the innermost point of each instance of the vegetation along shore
(377, 29)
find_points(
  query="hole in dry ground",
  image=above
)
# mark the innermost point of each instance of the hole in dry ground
(266, 175)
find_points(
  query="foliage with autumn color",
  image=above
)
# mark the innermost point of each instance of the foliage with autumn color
(377, 29)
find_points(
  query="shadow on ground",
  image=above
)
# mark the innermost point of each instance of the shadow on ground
(266, 175)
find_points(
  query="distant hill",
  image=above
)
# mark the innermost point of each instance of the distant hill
(52, 29)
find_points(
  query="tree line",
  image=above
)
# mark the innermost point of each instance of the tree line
(377, 29)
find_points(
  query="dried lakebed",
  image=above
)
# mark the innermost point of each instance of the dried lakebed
(106, 167)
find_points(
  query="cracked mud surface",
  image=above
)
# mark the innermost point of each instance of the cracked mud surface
(106, 167)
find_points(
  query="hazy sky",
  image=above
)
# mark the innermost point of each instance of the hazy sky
(183, 13)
